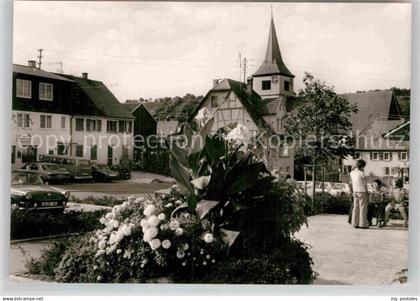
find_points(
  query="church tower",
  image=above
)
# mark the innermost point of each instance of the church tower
(273, 79)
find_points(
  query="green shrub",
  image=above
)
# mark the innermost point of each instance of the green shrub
(328, 204)
(103, 201)
(50, 258)
(28, 224)
(288, 264)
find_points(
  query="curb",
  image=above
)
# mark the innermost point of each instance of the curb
(16, 241)
(19, 278)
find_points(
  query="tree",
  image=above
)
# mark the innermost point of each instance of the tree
(320, 122)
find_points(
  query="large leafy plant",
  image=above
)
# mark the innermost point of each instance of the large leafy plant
(232, 189)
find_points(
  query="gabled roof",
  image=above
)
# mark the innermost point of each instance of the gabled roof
(401, 131)
(131, 106)
(273, 62)
(20, 69)
(101, 97)
(376, 130)
(379, 105)
(252, 102)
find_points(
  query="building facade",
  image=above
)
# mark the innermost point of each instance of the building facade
(258, 104)
(56, 114)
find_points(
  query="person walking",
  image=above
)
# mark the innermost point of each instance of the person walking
(360, 196)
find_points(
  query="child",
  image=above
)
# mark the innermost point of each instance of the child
(376, 206)
(399, 201)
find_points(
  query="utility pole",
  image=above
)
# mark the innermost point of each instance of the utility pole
(40, 58)
(240, 66)
(245, 62)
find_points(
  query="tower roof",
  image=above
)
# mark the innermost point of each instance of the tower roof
(273, 62)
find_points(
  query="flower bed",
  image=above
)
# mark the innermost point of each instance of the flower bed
(227, 221)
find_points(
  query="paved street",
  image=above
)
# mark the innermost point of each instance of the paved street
(345, 255)
(140, 184)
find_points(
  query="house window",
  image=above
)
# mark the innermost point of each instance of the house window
(26, 120)
(387, 156)
(387, 171)
(19, 120)
(61, 148)
(121, 126)
(79, 124)
(23, 88)
(45, 91)
(129, 127)
(403, 156)
(286, 85)
(266, 85)
(90, 125)
(46, 122)
(98, 125)
(79, 150)
(111, 126)
(63, 122)
(13, 154)
(214, 103)
(94, 152)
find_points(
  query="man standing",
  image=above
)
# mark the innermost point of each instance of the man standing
(360, 196)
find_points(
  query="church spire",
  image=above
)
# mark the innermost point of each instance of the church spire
(273, 62)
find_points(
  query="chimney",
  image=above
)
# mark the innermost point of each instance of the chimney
(32, 64)
(85, 75)
(249, 85)
(215, 82)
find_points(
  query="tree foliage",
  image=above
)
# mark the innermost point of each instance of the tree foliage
(320, 121)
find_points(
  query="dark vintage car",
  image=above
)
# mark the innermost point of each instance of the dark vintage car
(28, 192)
(49, 172)
(102, 173)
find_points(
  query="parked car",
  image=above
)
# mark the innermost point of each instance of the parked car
(28, 192)
(79, 168)
(102, 173)
(332, 188)
(49, 172)
(124, 172)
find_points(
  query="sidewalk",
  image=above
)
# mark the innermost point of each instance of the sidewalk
(346, 255)
(141, 177)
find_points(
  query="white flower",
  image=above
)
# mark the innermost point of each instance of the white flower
(126, 230)
(112, 239)
(161, 216)
(127, 254)
(144, 223)
(179, 232)
(208, 238)
(180, 254)
(204, 263)
(240, 134)
(153, 221)
(102, 220)
(207, 256)
(102, 244)
(213, 260)
(115, 224)
(185, 246)
(95, 267)
(99, 278)
(139, 200)
(119, 251)
(149, 210)
(100, 252)
(119, 235)
(184, 264)
(173, 225)
(155, 244)
(109, 215)
(166, 244)
(169, 205)
(178, 202)
(164, 227)
(150, 233)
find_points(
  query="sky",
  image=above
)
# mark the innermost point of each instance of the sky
(152, 49)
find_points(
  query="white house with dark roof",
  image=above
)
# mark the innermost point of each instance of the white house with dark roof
(41, 113)
(67, 115)
(101, 127)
